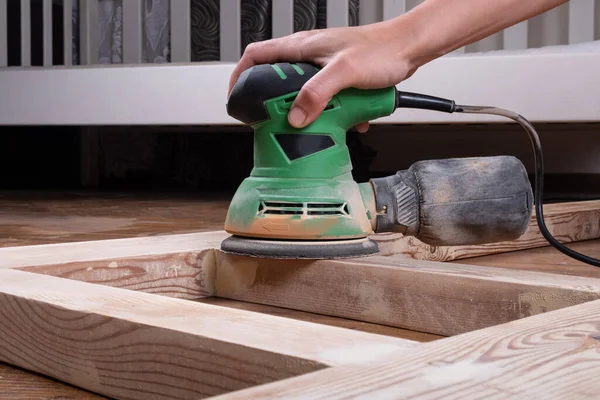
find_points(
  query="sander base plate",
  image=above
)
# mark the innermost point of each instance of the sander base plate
(299, 249)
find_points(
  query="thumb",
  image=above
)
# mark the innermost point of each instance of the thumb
(316, 93)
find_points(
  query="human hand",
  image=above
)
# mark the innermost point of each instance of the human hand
(365, 57)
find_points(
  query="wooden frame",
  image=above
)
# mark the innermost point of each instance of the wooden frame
(122, 318)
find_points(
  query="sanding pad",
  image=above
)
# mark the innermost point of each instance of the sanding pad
(299, 249)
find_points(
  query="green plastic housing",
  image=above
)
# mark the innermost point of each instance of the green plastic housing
(313, 196)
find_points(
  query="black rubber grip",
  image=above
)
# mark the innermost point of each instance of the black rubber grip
(423, 101)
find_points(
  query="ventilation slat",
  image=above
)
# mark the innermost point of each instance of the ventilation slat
(132, 31)
(68, 32)
(337, 13)
(231, 41)
(47, 41)
(26, 33)
(282, 18)
(3, 34)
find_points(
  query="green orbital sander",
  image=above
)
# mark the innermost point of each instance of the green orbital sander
(301, 201)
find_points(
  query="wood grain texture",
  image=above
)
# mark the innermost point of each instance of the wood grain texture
(132, 345)
(101, 250)
(77, 217)
(188, 275)
(45, 218)
(438, 298)
(180, 266)
(568, 222)
(546, 259)
(323, 319)
(549, 356)
(17, 384)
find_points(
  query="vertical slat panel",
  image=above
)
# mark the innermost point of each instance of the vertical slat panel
(282, 18)
(550, 28)
(597, 20)
(47, 17)
(581, 21)
(68, 32)
(181, 31)
(88, 17)
(231, 37)
(490, 43)
(410, 4)
(393, 8)
(132, 31)
(370, 11)
(3, 34)
(516, 36)
(337, 13)
(25, 33)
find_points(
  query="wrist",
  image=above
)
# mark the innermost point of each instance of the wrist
(411, 40)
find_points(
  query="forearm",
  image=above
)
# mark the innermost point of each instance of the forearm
(438, 27)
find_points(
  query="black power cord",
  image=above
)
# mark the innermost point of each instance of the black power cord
(415, 100)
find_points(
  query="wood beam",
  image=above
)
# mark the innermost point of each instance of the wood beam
(126, 344)
(568, 222)
(187, 275)
(439, 298)
(180, 266)
(60, 253)
(548, 356)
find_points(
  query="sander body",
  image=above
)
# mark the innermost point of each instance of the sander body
(301, 201)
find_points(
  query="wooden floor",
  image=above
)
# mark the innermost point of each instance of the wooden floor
(29, 219)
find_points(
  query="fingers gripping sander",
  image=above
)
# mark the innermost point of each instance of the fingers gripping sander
(300, 200)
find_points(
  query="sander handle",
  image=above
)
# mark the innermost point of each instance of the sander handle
(424, 102)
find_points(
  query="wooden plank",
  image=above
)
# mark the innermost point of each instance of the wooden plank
(439, 298)
(230, 37)
(132, 32)
(323, 319)
(546, 259)
(67, 32)
(568, 222)
(181, 31)
(337, 13)
(581, 21)
(549, 356)
(47, 28)
(126, 344)
(62, 253)
(3, 34)
(180, 266)
(282, 23)
(17, 384)
(186, 275)
(25, 33)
